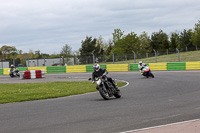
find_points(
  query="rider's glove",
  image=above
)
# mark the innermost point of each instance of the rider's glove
(93, 82)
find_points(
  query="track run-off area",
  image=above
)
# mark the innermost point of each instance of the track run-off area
(170, 97)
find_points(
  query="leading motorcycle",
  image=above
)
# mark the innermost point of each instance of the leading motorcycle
(147, 72)
(106, 88)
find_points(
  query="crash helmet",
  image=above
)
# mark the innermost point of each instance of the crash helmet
(12, 66)
(96, 67)
(140, 63)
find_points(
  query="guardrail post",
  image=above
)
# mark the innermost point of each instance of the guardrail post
(60, 61)
(155, 55)
(134, 56)
(113, 57)
(93, 57)
(13, 61)
(178, 55)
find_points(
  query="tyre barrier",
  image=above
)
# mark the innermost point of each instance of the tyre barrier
(32, 74)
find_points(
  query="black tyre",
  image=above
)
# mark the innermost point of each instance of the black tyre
(118, 94)
(152, 75)
(104, 93)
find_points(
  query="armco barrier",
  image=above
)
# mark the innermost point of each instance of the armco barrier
(75, 69)
(134, 67)
(38, 68)
(158, 66)
(192, 65)
(117, 67)
(103, 66)
(56, 69)
(112, 67)
(176, 66)
(6, 71)
(22, 68)
(89, 68)
(1, 71)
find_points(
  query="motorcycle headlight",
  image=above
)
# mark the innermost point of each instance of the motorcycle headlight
(98, 82)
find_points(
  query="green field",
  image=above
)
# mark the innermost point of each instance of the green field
(184, 57)
(35, 91)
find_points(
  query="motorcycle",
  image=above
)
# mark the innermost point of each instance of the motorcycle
(14, 73)
(106, 88)
(147, 72)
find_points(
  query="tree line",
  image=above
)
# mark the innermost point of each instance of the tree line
(120, 44)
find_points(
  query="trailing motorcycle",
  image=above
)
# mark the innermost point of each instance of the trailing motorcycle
(147, 72)
(14, 73)
(106, 88)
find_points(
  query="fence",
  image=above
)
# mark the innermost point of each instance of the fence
(145, 57)
(158, 57)
(113, 67)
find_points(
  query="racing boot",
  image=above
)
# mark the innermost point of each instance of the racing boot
(97, 88)
(152, 75)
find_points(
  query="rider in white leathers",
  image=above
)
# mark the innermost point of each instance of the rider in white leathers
(141, 65)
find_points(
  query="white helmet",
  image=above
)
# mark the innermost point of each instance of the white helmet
(140, 62)
(12, 66)
(96, 67)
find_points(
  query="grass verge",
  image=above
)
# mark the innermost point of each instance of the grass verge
(36, 91)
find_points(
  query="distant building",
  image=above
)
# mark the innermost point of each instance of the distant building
(51, 62)
(4, 64)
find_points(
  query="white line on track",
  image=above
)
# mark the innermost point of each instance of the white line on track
(127, 83)
(131, 131)
(179, 71)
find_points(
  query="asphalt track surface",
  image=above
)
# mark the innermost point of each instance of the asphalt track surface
(172, 96)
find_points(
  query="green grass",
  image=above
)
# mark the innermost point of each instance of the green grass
(184, 57)
(35, 91)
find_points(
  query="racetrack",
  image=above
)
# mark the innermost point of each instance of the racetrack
(172, 96)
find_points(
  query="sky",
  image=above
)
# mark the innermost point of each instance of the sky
(47, 25)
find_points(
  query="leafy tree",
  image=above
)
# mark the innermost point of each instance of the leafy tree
(117, 35)
(100, 42)
(159, 41)
(195, 38)
(145, 43)
(127, 44)
(88, 47)
(31, 54)
(54, 56)
(174, 41)
(184, 39)
(108, 47)
(8, 51)
(66, 52)
(100, 46)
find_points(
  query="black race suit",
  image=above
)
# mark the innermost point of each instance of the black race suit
(101, 72)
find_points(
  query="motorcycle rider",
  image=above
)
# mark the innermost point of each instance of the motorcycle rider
(141, 65)
(12, 68)
(98, 72)
(13, 71)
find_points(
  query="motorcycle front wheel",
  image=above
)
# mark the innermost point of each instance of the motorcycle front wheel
(11, 75)
(104, 93)
(118, 94)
